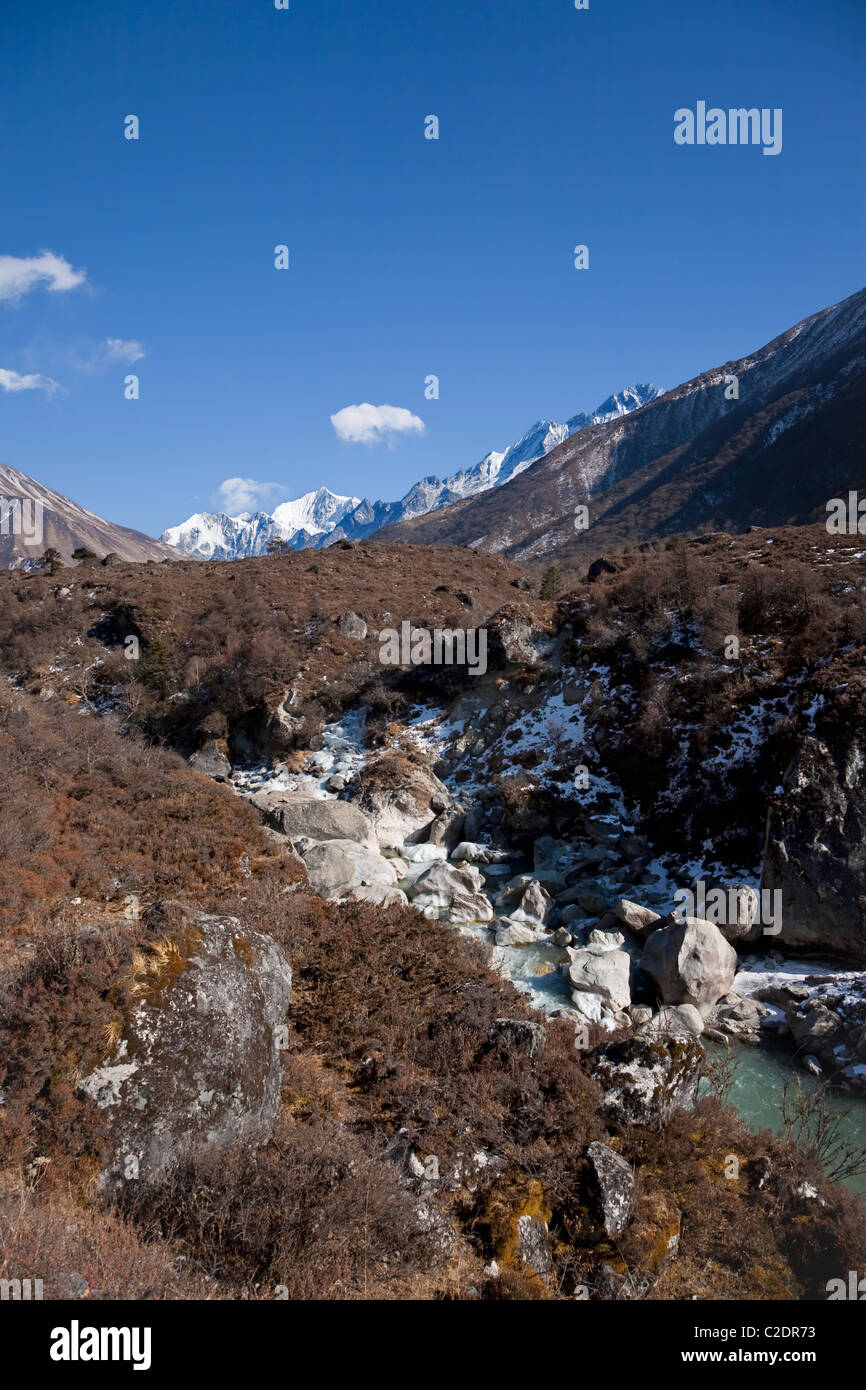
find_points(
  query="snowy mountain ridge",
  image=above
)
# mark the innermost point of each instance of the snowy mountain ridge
(321, 517)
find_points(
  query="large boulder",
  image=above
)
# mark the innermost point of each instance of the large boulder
(600, 970)
(198, 1066)
(296, 815)
(690, 962)
(639, 920)
(815, 851)
(814, 1027)
(213, 760)
(447, 828)
(645, 1079)
(524, 897)
(451, 894)
(351, 625)
(401, 799)
(342, 868)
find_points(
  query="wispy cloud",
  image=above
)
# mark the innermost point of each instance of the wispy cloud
(14, 381)
(18, 274)
(108, 354)
(122, 350)
(246, 495)
(362, 424)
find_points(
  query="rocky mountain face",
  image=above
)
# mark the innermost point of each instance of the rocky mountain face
(321, 518)
(736, 446)
(34, 518)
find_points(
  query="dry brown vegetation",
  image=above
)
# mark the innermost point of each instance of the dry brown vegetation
(392, 1021)
(234, 637)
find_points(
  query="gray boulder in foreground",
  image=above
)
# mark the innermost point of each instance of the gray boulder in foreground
(645, 1079)
(612, 1186)
(198, 1065)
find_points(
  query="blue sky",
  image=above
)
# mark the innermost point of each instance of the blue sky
(408, 257)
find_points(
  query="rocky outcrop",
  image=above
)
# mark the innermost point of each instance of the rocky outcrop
(815, 850)
(520, 1035)
(644, 1080)
(612, 1188)
(351, 625)
(690, 962)
(198, 1064)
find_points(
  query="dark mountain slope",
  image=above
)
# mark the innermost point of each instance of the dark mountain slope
(693, 460)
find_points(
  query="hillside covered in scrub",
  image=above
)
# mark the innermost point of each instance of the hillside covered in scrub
(374, 876)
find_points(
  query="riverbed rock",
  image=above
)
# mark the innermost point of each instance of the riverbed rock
(782, 994)
(510, 933)
(675, 1018)
(738, 1015)
(639, 920)
(295, 814)
(470, 852)
(339, 868)
(690, 962)
(400, 798)
(451, 893)
(525, 897)
(610, 940)
(447, 828)
(645, 1079)
(602, 971)
(198, 1065)
(814, 1026)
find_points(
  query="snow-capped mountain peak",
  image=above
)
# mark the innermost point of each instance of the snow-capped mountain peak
(322, 517)
(316, 512)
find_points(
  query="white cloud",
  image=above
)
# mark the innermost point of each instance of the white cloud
(121, 350)
(13, 381)
(246, 495)
(18, 274)
(362, 424)
(107, 354)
